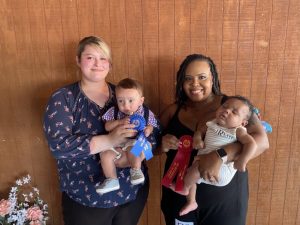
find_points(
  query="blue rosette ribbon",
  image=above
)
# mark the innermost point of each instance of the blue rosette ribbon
(266, 125)
(141, 144)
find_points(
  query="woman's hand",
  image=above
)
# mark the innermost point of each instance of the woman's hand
(169, 142)
(209, 166)
(120, 134)
(116, 137)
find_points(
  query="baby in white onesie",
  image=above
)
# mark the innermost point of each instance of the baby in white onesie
(228, 127)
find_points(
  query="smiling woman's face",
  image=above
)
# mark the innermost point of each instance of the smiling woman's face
(198, 81)
(93, 63)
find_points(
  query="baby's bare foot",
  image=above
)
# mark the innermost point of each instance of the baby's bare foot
(184, 191)
(188, 207)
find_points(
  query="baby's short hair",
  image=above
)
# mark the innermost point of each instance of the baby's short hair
(129, 83)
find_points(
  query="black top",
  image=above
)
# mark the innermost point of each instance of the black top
(176, 128)
(225, 205)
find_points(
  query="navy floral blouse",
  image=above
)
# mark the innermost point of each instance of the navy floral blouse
(70, 121)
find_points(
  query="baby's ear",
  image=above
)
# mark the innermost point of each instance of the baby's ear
(142, 100)
(244, 123)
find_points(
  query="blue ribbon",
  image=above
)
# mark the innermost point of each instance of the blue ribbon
(141, 144)
(266, 125)
(139, 122)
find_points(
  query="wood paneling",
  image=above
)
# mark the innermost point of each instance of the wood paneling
(254, 43)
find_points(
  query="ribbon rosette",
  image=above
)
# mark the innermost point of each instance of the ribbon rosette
(141, 144)
(265, 124)
(179, 164)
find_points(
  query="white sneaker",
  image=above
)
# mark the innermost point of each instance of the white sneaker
(136, 176)
(108, 185)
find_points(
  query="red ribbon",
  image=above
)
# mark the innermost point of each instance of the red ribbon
(179, 164)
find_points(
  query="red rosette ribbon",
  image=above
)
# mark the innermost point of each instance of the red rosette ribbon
(179, 164)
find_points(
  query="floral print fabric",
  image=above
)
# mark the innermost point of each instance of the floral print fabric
(70, 121)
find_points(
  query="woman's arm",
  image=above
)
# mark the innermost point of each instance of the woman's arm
(58, 125)
(167, 114)
(168, 141)
(257, 131)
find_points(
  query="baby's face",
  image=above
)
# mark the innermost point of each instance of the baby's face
(129, 100)
(232, 113)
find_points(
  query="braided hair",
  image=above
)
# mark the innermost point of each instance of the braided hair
(180, 94)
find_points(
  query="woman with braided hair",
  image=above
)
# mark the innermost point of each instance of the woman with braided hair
(198, 96)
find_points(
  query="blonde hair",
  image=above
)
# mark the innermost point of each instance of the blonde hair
(97, 41)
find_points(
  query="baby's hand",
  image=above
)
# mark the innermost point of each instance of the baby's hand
(240, 165)
(198, 142)
(125, 120)
(148, 130)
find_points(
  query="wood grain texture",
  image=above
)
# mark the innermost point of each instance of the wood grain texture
(255, 45)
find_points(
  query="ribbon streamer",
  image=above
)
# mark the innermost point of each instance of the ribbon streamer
(141, 144)
(179, 164)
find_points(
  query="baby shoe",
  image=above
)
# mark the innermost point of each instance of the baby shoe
(109, 184)
(136, 176)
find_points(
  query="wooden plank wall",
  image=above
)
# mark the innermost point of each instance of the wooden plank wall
(255, 44)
